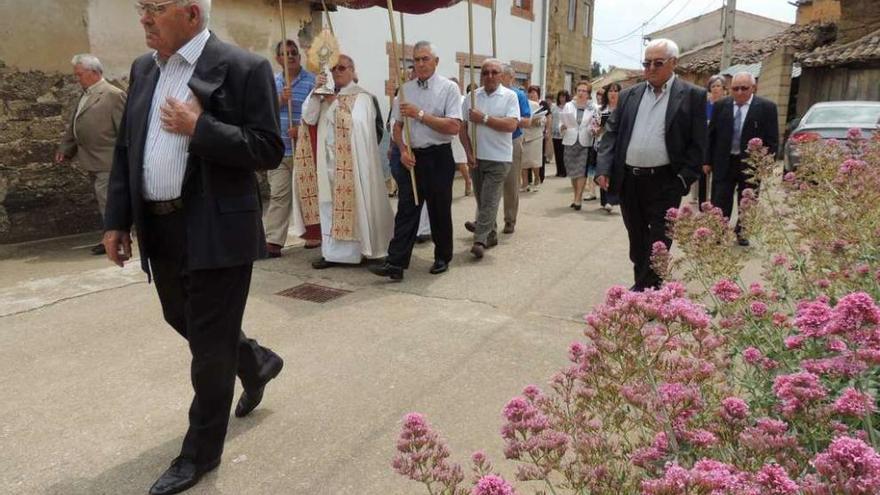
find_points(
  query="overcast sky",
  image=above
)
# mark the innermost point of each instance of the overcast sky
(615, 19)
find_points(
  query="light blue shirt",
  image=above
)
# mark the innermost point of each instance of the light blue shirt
(300, 87)
(166, 153)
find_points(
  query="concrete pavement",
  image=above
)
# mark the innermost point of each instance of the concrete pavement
(96, 386)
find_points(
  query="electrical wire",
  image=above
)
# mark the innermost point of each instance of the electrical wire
(641, 26)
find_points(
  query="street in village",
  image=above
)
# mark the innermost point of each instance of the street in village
(96, 386)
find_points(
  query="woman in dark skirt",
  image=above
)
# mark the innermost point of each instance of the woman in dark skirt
(562, 97)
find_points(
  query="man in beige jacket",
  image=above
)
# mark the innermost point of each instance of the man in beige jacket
(91, 133)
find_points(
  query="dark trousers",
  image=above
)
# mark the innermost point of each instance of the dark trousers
(702, 188)
(737, 179)
(205, 307)
(435, 170)
(644, 201)
(559, 156)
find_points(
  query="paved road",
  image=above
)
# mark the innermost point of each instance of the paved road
(95, 387)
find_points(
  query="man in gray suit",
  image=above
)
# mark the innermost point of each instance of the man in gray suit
(651, 152)
(91, 133)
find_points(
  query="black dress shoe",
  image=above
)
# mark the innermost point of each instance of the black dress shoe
(251, 398)
(637, 288)
(577, 207)
(387, 270)
(742, 241)
(421, 239)
(470, 226)
(182, 475)
(438, 267)
(98, 250)
(322, 264)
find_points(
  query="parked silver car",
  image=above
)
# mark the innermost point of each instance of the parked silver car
(832, 120)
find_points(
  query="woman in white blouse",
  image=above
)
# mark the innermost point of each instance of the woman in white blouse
(577, 138)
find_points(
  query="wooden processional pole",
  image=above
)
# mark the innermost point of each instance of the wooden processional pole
(401, 80)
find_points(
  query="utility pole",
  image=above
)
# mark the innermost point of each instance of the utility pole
(729, 20)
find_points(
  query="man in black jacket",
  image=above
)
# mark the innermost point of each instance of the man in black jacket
(653, 146)
(735, 121)
(201, 117)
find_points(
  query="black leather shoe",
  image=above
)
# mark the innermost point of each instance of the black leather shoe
(323, 264)
(182, 475)
(250, 399)
(387, 270)
(421, 239)
(98, 250)
(742, 241)
(438, 267)
(470, 226)
(637, 288)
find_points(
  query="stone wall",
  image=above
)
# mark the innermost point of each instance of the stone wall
(859, 18)
(38, 198)
(818, 11)
(568, 50)
(774, 83)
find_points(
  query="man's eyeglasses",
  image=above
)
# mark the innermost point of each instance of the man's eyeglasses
(490, 72)
(740, 88)
(340, 68)
(422, 59)
(290, 54)
(152, 9)
(660, 62)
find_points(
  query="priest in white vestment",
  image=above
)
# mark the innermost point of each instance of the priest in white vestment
(356, 218)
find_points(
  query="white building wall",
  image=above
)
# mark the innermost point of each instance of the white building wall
(363, 35)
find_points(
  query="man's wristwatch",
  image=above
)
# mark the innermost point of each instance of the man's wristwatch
(421, 115)
(486, 118)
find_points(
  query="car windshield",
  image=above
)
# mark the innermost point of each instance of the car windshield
(849, 114)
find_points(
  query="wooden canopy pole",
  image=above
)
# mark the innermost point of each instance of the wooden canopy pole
(494, 38)
(401, 80)
(286, 71)
(327, 16)
(472, 125)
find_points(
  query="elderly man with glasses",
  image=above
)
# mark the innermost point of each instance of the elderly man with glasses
(735, 121)
(201, 118)
(651, 152)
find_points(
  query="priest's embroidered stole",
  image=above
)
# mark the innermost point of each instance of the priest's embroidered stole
(306, 174)
(343, 189)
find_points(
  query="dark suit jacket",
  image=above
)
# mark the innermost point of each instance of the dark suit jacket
(235, 136)
(762, 121)
(685, 132)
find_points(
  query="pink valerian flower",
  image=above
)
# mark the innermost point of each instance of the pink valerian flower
(849, 466)
(794, 342)
(843, 366)
(852, 314)
(756, 289)
(775, 481)
(423, 456)
(492, 485)
(780, 260)
(734, 410)
(758, 309)
(780, 320)
(532, 392)
(702, 234)
(675, 481)
(811, 318)
(798, 390)
(854, 403)
(755, 144)
(789, 177)
(701, 438)
(823, 283)
(527, 430)
(726, 290)
(661, 260)
(709, 476)
(752, 355)
(768, 437)
(854, 133)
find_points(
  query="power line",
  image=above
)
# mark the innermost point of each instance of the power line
(674, 16)
(621, 53)
(641, 26)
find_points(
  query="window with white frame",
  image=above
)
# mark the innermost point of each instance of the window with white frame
(569, 81)
(588, 19)
(572, 14)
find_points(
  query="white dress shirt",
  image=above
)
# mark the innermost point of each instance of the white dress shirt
(166, 153)
(441, 99)
(493, 145)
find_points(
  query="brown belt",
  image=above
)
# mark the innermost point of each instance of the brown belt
(164, 207)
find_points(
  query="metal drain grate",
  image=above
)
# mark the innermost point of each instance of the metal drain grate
(313, 292)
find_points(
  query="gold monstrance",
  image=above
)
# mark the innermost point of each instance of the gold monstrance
(323, 55)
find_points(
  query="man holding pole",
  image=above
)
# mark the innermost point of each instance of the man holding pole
(432, 104)
(290, 97)
(496, 116)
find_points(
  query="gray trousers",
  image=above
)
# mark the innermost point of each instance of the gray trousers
(277, 219)
(511, 184)
(488, 177)
(100, 181)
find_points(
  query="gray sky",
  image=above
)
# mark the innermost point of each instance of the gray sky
(617, 18)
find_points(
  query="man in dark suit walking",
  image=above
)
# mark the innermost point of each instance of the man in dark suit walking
(653, 146)
(201, 117)
(735, 121)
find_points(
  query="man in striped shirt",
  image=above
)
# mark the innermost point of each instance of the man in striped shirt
(277, 218)
(201, 118)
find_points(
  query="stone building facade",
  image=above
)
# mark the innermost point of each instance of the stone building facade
(38, 198)
(569, 44)
(817, 11)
